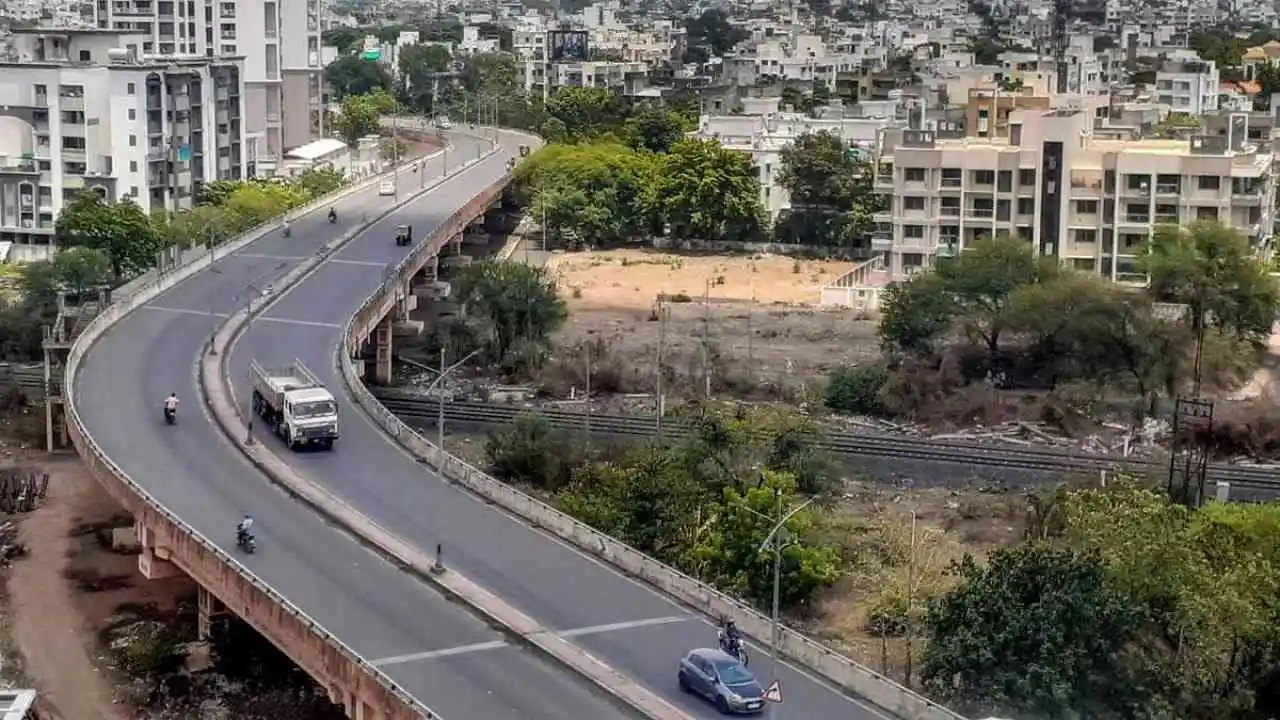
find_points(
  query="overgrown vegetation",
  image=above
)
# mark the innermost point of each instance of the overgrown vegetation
(997, 316)
(703, 503)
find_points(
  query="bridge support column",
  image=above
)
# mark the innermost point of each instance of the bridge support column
(154, 561)
(208, 609)
(382, 352)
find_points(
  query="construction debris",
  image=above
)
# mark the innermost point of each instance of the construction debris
(10, 547)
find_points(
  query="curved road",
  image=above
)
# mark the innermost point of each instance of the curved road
(374, 608)
(624, 623)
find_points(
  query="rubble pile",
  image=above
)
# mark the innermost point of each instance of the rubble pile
(10, 547)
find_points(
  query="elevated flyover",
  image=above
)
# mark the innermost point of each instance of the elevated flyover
(375, 636)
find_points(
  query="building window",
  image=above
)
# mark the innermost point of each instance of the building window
(133, 141)
(1087, 207)
(131, 88)
(912, 203)
(133, 114)
(913, 175)
(1027, 176)
(983, 177)
(1208, 182)
(913, 232)
(1086, 236)
(133, 166)
(72, 143)
(1026, 206)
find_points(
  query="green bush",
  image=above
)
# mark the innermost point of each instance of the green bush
(856, 389)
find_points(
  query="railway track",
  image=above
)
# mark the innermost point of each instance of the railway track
(420, 411)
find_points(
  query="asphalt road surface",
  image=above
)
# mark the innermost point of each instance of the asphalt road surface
(624, 623)
(384, 614)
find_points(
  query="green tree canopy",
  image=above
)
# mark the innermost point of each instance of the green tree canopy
(703, 191)
(656, 129)
(122, 231)
(514, 307)
(587, 111)
(352, 75)
(419, 82)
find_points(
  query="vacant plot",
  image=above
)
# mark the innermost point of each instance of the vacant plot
(750, 325)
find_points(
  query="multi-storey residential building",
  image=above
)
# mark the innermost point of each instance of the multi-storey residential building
(79, 110)
(1188, 85)
(278, 39)
(1085, 196)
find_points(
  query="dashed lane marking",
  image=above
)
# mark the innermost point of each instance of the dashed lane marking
(260, 318)
(498, 644)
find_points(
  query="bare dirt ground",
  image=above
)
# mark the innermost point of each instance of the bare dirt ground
(765, 335)
(67, 589)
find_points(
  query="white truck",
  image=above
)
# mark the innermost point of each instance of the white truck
(295, 404)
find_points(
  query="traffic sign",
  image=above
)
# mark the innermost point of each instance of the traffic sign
(773, 693)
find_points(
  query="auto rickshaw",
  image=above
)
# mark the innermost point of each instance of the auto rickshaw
(404, 235)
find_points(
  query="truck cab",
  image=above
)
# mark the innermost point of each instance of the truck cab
(295, 404)
(311, 413)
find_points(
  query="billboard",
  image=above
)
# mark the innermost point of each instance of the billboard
(567, 45)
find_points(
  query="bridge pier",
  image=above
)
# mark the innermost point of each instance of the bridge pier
(208, 609)
(383, 352)
(155, 558)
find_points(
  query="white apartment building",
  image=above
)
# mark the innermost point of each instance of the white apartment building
(763, 132)
(1076, 194)
(78, 111)
(1188, 85)
(278, 39)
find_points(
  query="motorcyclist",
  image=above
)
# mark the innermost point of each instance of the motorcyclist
(242, 529)
(333, 215)
(288, 229)
(731, 637)
(171, 404)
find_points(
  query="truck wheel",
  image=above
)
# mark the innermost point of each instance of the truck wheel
(326, 444)
(287, 435)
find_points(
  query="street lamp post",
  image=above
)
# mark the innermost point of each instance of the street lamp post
(776, 539)
(444, 372)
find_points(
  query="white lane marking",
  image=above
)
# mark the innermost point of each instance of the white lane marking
(184, 311)
(614, 627)
(256, 256)
(361, 263)
(460, 650)
(287, 321)
(497, 644)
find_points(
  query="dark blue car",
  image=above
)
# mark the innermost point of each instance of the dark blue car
(721, 679)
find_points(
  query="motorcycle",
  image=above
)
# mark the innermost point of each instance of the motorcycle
(333, 217)
(170, 415)
(734, 647)
(246, 541)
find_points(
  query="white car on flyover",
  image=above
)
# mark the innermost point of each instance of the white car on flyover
(387, 187)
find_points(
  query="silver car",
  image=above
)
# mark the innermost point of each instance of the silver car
(723, 680)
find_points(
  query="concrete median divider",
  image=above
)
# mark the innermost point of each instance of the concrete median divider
(129, 298)
(841, 671)
(215, 386)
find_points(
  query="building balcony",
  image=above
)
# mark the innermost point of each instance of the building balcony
(1141, 191)
(1086, 189)
(979, 214)
(948, 211)
(71, 102)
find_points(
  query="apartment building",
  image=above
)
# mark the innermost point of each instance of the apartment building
(278, 39)
(1088, 197)
(1188, 84)
(79, 111)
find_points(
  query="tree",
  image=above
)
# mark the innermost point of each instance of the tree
(418, 80)
(1037, 630)
(122, 231)
(81, 269)
(828, 184)
(732, 553)
(516, 308)
(361, 115)
(915, 315)
(984, 277)
(586, 112)
(713, 32)
(703, 191)
(352, 75)
(317, 182)
(588, 194)
(1211, 269)
(344, 39)
(655, 129)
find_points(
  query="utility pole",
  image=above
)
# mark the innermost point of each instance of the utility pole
(439, 382)
(587, 416)
(658, 404)
(751, 347)
(706, 338)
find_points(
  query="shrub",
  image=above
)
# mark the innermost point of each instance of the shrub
(856, 389)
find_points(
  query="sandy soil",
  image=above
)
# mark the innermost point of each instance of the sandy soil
(765, 336)
(55, 621)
